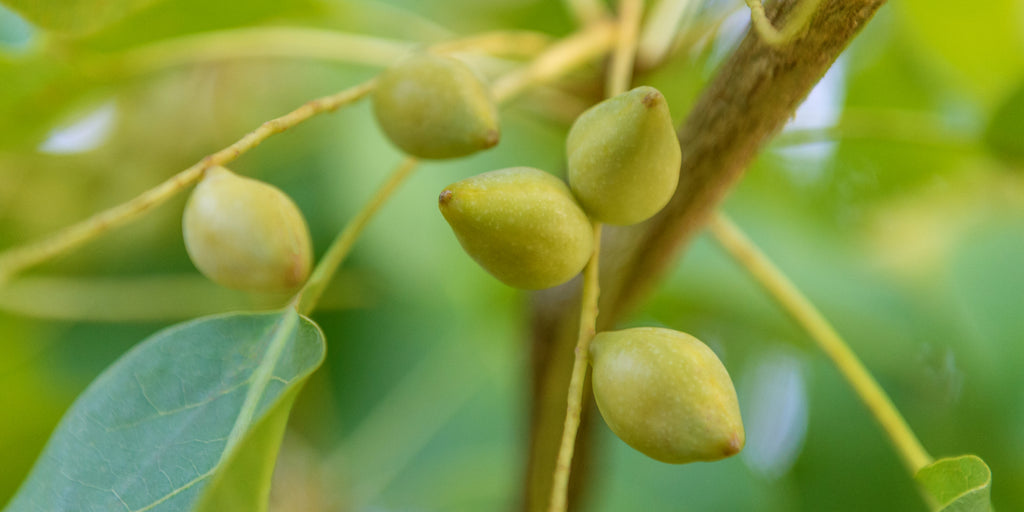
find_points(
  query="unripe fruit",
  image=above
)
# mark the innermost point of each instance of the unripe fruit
(246, 234)
(520, 224)
(624, 157)
(666, 394)
(432, 106)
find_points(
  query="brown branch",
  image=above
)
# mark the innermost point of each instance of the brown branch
(752, 96)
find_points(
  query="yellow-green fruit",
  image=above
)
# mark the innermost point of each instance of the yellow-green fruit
(433, 106)
(666, 394)
(624, 157)
(246, 234)
(520, 224)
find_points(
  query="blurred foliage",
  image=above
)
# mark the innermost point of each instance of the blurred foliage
(902, 218)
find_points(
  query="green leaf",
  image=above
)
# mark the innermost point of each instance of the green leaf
(193, 416)
(76, 16)
(957, 484)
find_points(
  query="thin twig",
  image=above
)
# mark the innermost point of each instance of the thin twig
(775, 282)
(574, 401)
(310, 293)
(20, 258)
(619, 77)
(581, 47)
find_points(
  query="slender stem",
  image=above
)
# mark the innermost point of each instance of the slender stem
(569, 53)
(625, 47)
(18, 259)
(310, 293)
(743, 250)
(499, 43)
(587, 12)
(574, 401)
(799, 21)
(260, 379)
(619, 76)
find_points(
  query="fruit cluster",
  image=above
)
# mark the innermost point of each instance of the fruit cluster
(663, 392)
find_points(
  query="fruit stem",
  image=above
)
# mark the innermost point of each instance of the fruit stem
(747, 254)
(310, 293)
(574, 400)
(619, 77)
(797, 22)
(20, 258)
(576, 49)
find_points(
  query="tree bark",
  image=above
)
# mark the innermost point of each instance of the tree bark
(748, 101)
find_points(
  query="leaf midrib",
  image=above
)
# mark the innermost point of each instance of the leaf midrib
(262, 375)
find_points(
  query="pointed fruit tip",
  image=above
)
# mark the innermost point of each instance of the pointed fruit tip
(445, 197)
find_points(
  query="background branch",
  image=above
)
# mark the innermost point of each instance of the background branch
(751, 97)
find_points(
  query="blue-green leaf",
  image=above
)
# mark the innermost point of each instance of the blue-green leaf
(957, 484)
(193, 414)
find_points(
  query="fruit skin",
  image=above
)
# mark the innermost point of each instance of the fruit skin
(245, 234)
(520, 224)
(624, 157)
(666, 394)
(432, 106)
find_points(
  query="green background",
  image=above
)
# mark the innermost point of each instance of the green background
(903, 220)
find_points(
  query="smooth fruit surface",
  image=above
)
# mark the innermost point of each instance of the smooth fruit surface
(666, 394)
(246, 234)
(432, 106)
(520, 224)
(624, 157)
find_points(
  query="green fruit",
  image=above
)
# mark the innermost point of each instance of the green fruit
(666, 394)
(520, 224)
(246, 234)
(433, 106)
(624, 157)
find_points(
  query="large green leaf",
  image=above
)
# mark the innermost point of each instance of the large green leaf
(193, 414)
(958, 484)
(76, 16)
